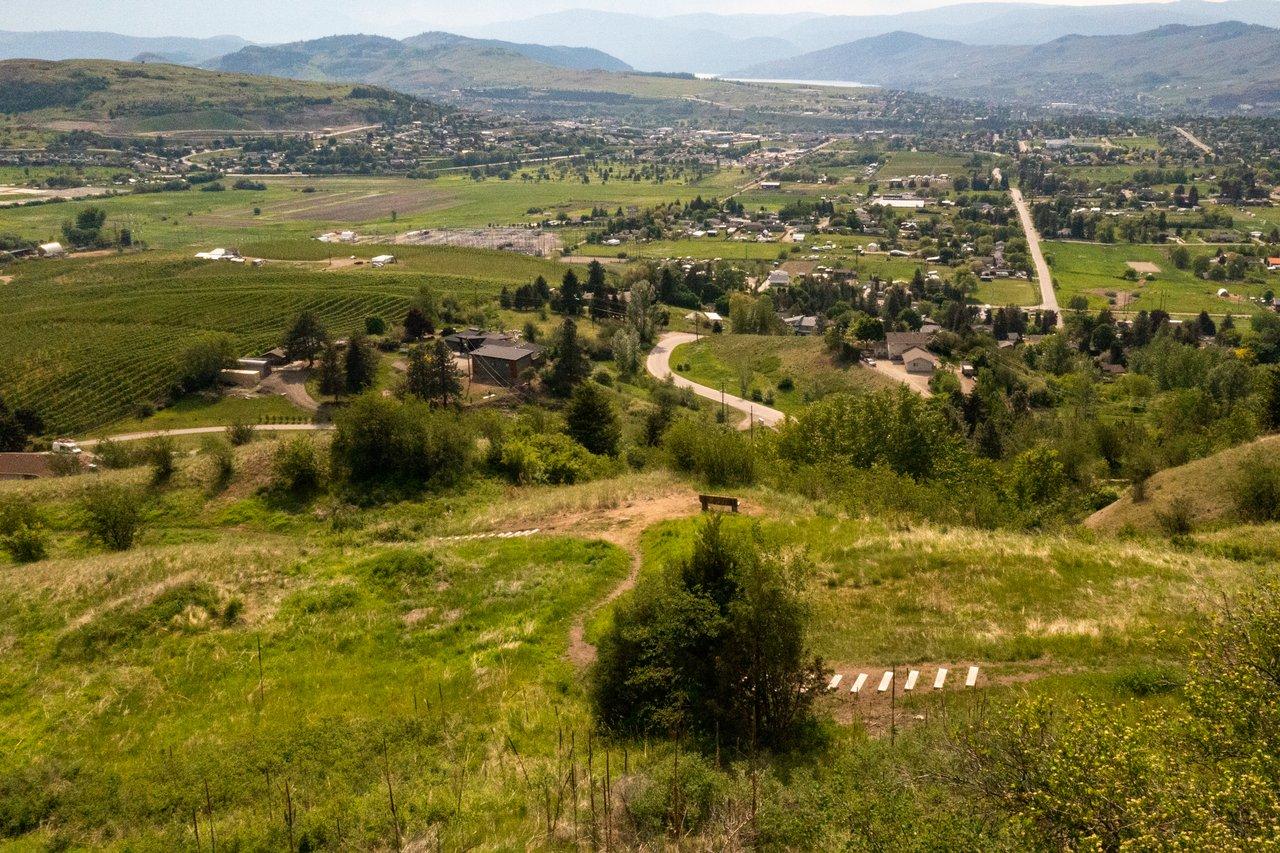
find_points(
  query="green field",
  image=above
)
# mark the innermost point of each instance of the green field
(743, 363)
(372, 206)
(904, 163)
(1007, 291)
(1095, 269)
(88, 341)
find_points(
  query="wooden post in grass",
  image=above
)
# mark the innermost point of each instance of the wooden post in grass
(893, 693)
(391, 794)
(208, 805)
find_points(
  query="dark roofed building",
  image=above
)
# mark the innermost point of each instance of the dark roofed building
(25, 466)
(501, 363)
(897, 343)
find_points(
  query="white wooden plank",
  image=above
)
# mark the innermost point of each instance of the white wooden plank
(912, 677)
(972, 678)
(885, 681)
(835, 681)
(940, 679)
(859, 683)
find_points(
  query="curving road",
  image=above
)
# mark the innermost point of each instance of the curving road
(204, 430)
(659, 366)
(1048, 299)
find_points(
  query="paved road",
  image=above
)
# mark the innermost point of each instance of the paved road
(1193, 139)
(1048, 299)
(205, 430)
(659, 365)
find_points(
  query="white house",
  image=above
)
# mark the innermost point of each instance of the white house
(777, 278)
(920, 361)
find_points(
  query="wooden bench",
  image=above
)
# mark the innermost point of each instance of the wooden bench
(709, 501)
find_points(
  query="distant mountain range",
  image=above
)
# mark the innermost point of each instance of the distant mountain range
(85, 45)
(722, 43)
(427, 63)
(1216, 67)
(124, 97)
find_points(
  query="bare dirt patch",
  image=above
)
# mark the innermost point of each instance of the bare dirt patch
(1144, 267)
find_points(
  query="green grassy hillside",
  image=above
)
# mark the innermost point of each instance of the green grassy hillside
(132, 97)
(1200, 489)
(276, 675)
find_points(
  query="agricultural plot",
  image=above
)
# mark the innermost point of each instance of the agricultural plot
(904, 163)
(304, 207)
(86, 342)
(1094, 270)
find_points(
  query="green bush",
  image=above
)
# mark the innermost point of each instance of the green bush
(1255, 491)
(112, 514)
(545, 459)
(719, 455)
(22, 531)
(239, 433)
(297, 467)
(115, 454)
(159, 453)
(400, 443)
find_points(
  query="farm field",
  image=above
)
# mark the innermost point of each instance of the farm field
(89, 341)
(1093, 270)
(904, 163)
(380, 206)
(746, 363)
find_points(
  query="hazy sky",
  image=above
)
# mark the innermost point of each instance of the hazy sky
(283, 20)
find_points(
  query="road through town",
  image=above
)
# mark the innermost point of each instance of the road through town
(1048, 299)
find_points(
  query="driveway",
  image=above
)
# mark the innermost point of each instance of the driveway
(291, 383)
(1048, 299)
(659, 366)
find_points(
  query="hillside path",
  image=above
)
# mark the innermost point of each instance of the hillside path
(1048, 299)
(659, 366)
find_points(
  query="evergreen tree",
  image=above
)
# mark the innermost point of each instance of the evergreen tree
(417, 378)
(361, 365)
(570, 303)
(571, 366)
(592, 420)
(305, 338)
(595, 277)
(444, 383)
(416, 324)
(332, 378)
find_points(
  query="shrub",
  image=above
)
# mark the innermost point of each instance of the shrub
(545, 458)
(239, 433)
(173, 608)
(402, 443)
(297, 467)
(1255, 492)
(1176, 521)
(719, 455)
(22, 533)
(159, 454)
(25, 544)
(786, 383)
(115, 454)
(112, 514)
(222, 460)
